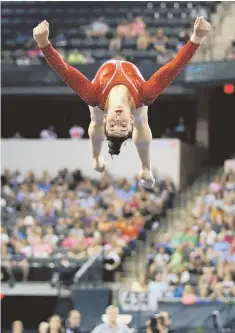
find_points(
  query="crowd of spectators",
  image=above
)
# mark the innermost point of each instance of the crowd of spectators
(130, 40)
(76, 132)
(45, 216)
(55, 324)
(199, 260)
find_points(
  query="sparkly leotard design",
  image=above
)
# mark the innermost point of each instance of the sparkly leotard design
(115, 72)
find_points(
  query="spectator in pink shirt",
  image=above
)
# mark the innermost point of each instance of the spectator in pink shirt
(215, 185)
(42, 250)
(137, 27)
(189, 296)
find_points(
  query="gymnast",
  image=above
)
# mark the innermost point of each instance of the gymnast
(118, 97)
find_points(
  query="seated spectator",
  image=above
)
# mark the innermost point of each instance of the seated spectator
(123, 30)
(176, 260)
(23, 61)
(138, 27)
(183, 37)
(115, 44)
(99, 28)
(143, 41)
(76, 132)
(189, 296)
(160, 41)
(159, 286)
(163, 56)
(208, 234)
(59, 40)
(197, 11)
(76, 58)
(48, 133)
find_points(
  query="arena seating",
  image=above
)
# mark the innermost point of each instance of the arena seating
(198, 261)
(45, 219)
(72, 19)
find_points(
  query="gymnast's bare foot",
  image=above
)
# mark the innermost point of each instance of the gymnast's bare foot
(147, 179)
(99, 164)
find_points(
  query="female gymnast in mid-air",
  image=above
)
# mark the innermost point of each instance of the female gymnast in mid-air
(118, 97)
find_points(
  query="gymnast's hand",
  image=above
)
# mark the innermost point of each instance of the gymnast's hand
(41, 34)
(146, 178)
(201, 27)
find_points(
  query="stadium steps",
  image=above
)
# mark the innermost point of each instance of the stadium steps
(179, 217)
(132, 266)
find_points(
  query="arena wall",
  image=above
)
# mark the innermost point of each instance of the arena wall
(52, 155)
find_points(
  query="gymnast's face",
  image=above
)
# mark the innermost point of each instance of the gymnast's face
(118, 122)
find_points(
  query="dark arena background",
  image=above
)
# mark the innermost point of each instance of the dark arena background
(74, 239)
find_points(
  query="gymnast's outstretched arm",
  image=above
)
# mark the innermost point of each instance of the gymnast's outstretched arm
(166, 74)
(71, 76)
(97, 136)
(142, 137)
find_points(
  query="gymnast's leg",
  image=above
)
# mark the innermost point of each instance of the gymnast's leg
(142, 137)
(97, 136)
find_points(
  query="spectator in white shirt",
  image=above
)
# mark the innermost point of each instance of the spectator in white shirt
(48, 133)
(112, 325)
(76, 132)
(208, 234)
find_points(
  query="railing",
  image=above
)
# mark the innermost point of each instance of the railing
(84, 274)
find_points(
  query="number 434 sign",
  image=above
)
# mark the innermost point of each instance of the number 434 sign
(133, 301)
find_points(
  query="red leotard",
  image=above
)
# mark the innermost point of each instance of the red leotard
(115, 72)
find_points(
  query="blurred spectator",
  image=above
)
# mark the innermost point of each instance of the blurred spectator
(159, 286)
(98, 28)
(17, 327)
(124, 29)
(43, 327)
(17, 135)
(48, 133)
(72, 324)
(15, 262)
(181, 131)
(112, 324)
(138, 27)
(115, 44)
(160, 40)
(23, 60)
(197, 11)
(183, 37)
(59, 40)
(163, 56)
(167, 134)
(189, 296)
(76, 58)
(55, 324)
(143, 41)
(76, 132)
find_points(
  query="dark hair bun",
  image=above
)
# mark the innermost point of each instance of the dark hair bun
(115, 142)
(115, 146)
